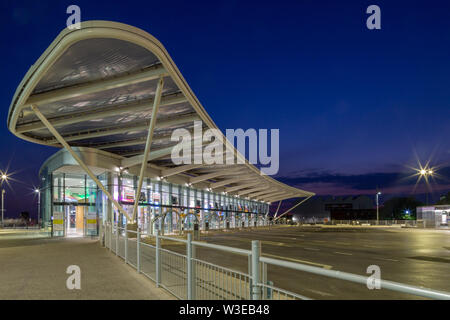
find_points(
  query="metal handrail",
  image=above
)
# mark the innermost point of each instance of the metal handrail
(385, 284)
(254, 275)
(223, 248)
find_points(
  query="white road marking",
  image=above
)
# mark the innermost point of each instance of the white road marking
(320, 292)
(273, 243)
(344, 253)
(325, 266)
(314, 249)
(387, 259)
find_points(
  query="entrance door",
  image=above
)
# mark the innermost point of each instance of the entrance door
(74, 220)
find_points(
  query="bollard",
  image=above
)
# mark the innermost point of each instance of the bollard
(256, 276)
(126, 243)
(103, 235)
(138, 250)
(189, 267)
(158, 259)
(117, 239)
(110, 236)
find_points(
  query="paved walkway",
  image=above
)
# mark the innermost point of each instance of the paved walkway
(36, 269)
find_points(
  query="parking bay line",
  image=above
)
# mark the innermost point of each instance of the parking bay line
(344, 253)
(387, 259)
(324, 266)
(313, 249)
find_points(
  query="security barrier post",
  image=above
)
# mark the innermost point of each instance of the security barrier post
(126, 242)
(158, 259)
(256, 276)
(138, 250)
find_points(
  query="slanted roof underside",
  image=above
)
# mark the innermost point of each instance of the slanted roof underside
(96, 86)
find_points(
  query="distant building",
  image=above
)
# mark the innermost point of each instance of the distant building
(436, 216)
(324, 209)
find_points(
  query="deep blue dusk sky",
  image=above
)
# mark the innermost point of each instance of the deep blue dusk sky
(354, 106)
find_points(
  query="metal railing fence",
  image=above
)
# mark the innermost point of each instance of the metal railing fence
(188, 277)
(409, 223)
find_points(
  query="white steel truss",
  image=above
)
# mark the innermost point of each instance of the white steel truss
(77, 158)
(179, 169)
(212, 175)
(263, 187)
(278, 208)
(75, 117)
(148, 143)
(96, 86)
(293, 207)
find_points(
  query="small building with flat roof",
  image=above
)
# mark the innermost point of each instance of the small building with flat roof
(436, 216)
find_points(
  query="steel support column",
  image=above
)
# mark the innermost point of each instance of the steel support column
(151, 129)
(279, 205)
(289, 210)
(76, 157)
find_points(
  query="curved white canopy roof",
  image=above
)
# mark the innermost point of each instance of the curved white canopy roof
(96, 86)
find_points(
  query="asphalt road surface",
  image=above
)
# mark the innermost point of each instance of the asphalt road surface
(411, 256)
(34, 268)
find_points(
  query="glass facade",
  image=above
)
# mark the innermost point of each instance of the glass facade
(73, 205)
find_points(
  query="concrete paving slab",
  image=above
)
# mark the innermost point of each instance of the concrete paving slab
(36, 269)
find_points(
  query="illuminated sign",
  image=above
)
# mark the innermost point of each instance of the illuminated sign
(58, 221)
(156, 197)
(127, 194)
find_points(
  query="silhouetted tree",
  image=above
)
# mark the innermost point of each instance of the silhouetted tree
(444, 199)
(396, 208)
(25, 215)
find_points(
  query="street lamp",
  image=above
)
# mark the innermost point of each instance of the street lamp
(378, 205)
(4, 178)
(39, 206)
(424, 172)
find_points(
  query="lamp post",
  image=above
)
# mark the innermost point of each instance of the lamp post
(39, 206)
(426, 172)
(378, 205)
(4, 178)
